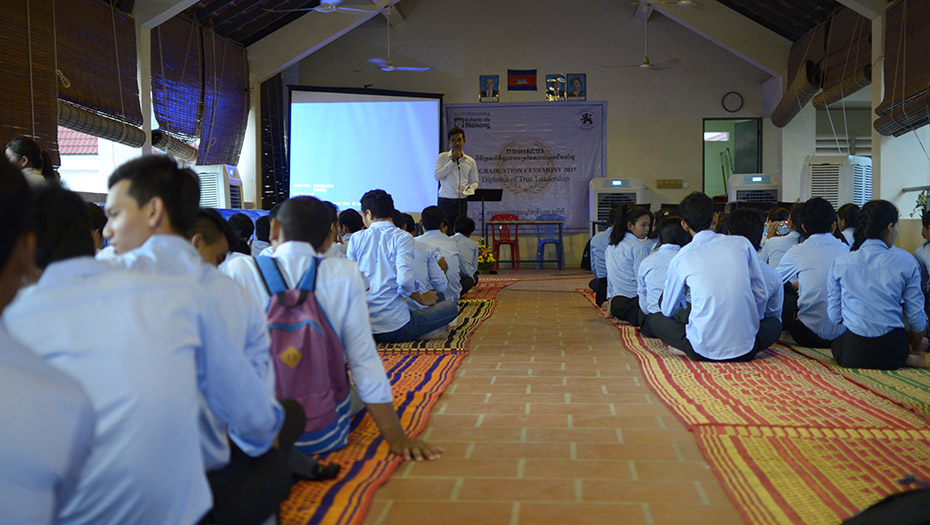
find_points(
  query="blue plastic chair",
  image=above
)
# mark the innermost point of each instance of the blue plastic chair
(549, 234)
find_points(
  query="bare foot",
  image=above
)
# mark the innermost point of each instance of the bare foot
(918, 360)
(676, 351)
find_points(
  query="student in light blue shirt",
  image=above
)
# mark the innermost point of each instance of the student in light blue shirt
(626, 250)
(339, 291)
(384, 254)
(775, 247)
(650, 278)
(846, 218)
(150, 203)
(435, 238)
(750, 223)
(804, 270)
(48, 420)
(468, 251)
(143, 377)
(599, 245)
(865, 290)
(427, 265)
(728, 293)
(922, 254)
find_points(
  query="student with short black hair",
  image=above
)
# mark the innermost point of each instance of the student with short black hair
(212, 236)
(865, 290)
(262, 231)
(468, 251)
(48, 419)
(350, 221)
(804, 270)
(775, 247)
(98, 221)
(750, 223)
(272, 213)
(385, 255)
(846, 218)
(436, 238)
(242, 225)
(302, 234)
(626, 250)
(650, 279)
(727, 288)
(429, 271)
(598, 263)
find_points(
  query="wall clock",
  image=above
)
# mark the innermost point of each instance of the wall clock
(732, 102)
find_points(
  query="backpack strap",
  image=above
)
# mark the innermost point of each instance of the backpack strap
(271, 274)
(308, 281)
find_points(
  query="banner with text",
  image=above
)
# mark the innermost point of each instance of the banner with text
(541, 155)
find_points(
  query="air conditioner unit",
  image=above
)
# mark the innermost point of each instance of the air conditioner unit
(607, 193)
(220, 186)
(837, 178)
(753, 187)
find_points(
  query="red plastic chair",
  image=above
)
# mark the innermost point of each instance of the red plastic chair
(500, 234)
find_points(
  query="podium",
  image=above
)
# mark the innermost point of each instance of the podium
(485, 195)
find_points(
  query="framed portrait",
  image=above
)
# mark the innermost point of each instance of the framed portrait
(555, 87)
(488, 88)
(577, 88)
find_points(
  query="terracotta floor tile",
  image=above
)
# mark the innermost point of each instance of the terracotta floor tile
(640, 491)
(473, 434)
(535, 397)
(495, 388)
(458, 467)
(714, 492)
(580, 514)
(555, 421)
(544, 383)
(716, 514)
(452, 449)
(675, 433)
(578, 435)
(675, 471)
(442, 420)
(579, 469)
(517, 490)
(374, 511)
(522, 450)
(453, 513)
(416, 489)
(621, 421)
(451, 408)
(540, 409)
(626, 451)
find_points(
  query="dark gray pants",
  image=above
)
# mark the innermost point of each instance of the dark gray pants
(671, 330)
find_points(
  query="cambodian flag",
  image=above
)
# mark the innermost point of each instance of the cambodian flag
(521, 79)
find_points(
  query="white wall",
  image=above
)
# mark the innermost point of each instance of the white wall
(654, 125)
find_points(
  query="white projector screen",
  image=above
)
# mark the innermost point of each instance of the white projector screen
(346, 142)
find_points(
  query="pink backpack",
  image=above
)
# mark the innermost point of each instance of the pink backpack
(309, 362)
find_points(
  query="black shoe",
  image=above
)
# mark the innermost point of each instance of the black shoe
(306, 468)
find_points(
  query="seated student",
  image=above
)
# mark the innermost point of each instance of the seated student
(804, 270)
(385, 256)
(775, 247)
(272, 213)
(144, 377)
(435, 238)
(650, 279)
(152, 203)
(243, 226)
(48, 419)
(468, 251)
(865, 290)
(98, 221)
(262, 229)
(212, 236)
(922, 254)
(301, 232)
(623, 255)
(598, 263)
(846, 218)
(429, 269)
(750, 223)
(728, 293)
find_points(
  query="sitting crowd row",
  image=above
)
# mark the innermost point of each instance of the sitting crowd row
(142, 384)
(707, 289)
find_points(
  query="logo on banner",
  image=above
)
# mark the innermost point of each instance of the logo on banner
(526, 161)
(585, 119)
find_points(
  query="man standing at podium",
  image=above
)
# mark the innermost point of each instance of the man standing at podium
(457, 174)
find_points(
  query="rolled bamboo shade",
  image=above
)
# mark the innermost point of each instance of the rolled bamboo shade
(225, 100)
(27, 71)
(177, 78)
(78, 119)
(907, 69)
(847, 65)
(173, 146)
(801, 90)
(96, 46)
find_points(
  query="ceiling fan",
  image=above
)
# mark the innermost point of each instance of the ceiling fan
(646, 63)
(383, 64)
(329, 6)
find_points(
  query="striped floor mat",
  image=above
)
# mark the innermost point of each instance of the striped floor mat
(909, 387)
(811, 475)
(472, 313)
(417, 381)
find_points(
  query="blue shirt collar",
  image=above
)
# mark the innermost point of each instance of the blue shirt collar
(875, 242)
(74, 267)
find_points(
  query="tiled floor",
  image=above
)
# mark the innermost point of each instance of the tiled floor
(549, 420)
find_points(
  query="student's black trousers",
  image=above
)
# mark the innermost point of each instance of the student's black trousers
(671, 330)
(885, 352)
(626, 309)
(599, 287)
(250, 490)
(799, 331)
